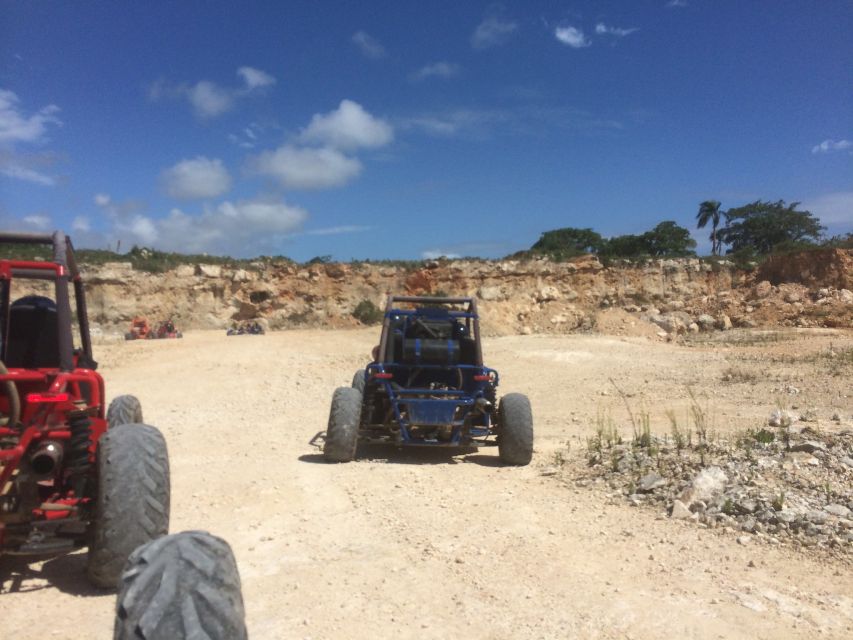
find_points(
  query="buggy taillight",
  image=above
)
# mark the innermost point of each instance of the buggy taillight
(481, 378)
(383, 376)
(34, 398)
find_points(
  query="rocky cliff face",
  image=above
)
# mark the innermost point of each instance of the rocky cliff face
(665, 297)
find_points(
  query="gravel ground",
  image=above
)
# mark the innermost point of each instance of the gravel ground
(428, 545)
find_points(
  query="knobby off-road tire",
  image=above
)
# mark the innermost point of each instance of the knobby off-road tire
(342, 432)
(358, 380)
(515, 435)
(132, 503)
(181, 587)
(124, 410)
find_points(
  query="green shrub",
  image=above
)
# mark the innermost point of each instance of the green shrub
(367, 313)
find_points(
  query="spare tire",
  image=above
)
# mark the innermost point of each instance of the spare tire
(180, 587)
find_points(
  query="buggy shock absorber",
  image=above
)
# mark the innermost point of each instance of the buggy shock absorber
(77, 456)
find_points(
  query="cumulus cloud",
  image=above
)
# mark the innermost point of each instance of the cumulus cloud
(38, 221)
(245, 227)
(369, 46)
(572, 36)
(197, 178)
(255, 78)
(348, 127)
(81, 224)
(491, 32)
(26, 174)
(18, 127)
(434, 254)
(437, 70)
(208, 99)
(230, 227)
(603, 29)
(334, 231)
(307, 168)
(520, 120)
(102, 199)
(830, 146)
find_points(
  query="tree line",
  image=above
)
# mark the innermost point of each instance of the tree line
(752, 230)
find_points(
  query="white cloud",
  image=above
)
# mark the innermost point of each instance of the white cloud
(255, 78)
(491, 32)
(603, 29)
(572, 36)
(829, 146)
(434, 254)
(143, 229)
(307, 168)
(676, 3)
(234, 228)
(197, 178)
(528, 120)
(437, 70)
(237, 228)
(26, 174)
(38, 221)
(81, 224)
(348, 127)
(833, 209)
(17, 127)
(102, 199)
(333, 231)
(209, 99)
(369, 46)
(20, 128)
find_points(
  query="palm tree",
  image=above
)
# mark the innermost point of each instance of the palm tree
(709, 211)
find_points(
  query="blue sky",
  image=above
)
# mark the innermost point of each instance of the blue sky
(408, 129)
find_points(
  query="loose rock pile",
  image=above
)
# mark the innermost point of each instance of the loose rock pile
(792, 484)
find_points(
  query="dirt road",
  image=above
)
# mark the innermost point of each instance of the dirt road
(426, 545)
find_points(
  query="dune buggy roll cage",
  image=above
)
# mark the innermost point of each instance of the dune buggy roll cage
(62, 270)
(470, 313)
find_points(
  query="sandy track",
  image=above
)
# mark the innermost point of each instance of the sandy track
(425, 545)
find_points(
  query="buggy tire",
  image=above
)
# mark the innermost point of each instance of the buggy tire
(515, 434)
(358, 380)
(342, 431)
(129, 336)
(124, 410)
(132, 501)
(179, 587)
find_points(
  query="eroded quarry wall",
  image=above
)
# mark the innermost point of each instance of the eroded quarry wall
(661, 297)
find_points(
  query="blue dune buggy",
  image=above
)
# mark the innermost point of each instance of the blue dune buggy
(427, 386)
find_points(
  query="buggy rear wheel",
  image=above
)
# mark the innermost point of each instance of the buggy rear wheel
(124, 409)
(358, 380)
(178, 587)
(515, 429)
(132, 502)
(342, 431)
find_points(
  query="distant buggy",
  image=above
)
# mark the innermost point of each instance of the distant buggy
(427, 386)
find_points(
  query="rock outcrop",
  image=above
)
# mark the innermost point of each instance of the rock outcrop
(668, 297)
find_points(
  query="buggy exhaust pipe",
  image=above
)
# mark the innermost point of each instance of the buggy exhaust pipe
(46, 459)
